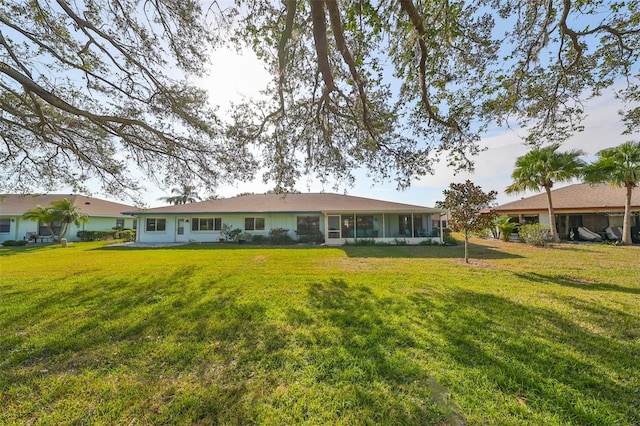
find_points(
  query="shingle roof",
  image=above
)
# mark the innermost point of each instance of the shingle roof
(289, 203)
(581, 196)
(17, 204)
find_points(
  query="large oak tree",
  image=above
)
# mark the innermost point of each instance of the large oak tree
(88, 87)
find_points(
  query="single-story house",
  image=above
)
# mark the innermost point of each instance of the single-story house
(594, 207)
(338, 219)
(103, 215)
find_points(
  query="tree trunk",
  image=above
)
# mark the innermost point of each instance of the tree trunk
(63, 230)
(626, 226)
(552, 217)
(466, 246)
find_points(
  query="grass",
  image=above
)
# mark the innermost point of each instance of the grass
(354, 335)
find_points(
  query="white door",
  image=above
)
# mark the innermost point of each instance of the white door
(181, 230)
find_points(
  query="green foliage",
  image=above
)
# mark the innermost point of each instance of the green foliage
(280, 236)
(230, 233)
(61, 212)
(97, 235)
(449, 239)
(534, 234)
(310, 237)
(184, 194)
(133, 72)
(455, 68)
(505, 227)
(540, 168)
(619, 166)
(14, 243)
(244, 236)
(126, 235)
(113, 234)
(364, 242)
(261, 240)
(469, 208)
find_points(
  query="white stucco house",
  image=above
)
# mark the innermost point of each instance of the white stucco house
(103, 215)
(338, 218)
(594, 207)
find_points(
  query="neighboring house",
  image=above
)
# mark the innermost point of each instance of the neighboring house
(103, 215)
(595, 207)
(337, 218)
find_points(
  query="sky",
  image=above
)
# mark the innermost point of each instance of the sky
(236, 76)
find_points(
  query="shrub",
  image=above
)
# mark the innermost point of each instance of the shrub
(262, 240)
(310, 237)
(126, 235)
(97, 235)
(505, 227)
(14, 243)
(365, 242)
(280, 236)
(534, 234)
(448, 239)
(400, 242)
(427, 242)
(229, 233)
(244, 237)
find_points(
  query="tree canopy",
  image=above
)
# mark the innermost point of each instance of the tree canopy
(541, 168)
(618, 166)
(89, 87)
(465, 203)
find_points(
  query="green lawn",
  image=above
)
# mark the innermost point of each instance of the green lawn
(355, 335)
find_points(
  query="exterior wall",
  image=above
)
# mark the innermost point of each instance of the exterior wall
(387, 227)
(20, 228)
(285, 220)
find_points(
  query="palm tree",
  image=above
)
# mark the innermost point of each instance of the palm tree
(541, 168)
(619, 166)
(185, 194)
(65, 213)
(43, 215)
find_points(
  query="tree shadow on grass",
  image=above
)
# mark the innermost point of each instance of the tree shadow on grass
(164, 349)
(572, 282)
(356, 351)
(535, 360)
(476, 251)
(29, 248)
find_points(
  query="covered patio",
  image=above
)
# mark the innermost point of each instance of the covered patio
(391, 227)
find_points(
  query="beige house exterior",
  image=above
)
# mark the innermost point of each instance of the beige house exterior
(103, 215)
(594, 207)
(338, 218)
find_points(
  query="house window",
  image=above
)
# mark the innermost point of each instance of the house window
(135, 223)
(404, 227)
(254, 223)
(5, 226)
(156, 225)
(308, 225)
(348, 224)
(418, 227)
(120, 223)
(206, 224)
(43, 228)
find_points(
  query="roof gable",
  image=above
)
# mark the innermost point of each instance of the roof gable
(289, 203)
(18, 204)
(575, 197)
